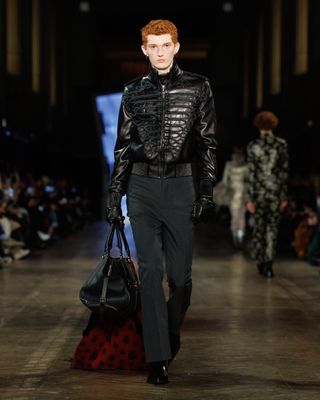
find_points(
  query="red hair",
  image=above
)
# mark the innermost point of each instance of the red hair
(159, 27)
(265, 120)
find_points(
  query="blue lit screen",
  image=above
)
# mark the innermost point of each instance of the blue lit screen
(108, 107)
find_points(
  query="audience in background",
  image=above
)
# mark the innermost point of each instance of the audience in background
(299, 225)
(35, 212)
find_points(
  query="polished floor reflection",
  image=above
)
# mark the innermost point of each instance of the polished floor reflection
(245, 337)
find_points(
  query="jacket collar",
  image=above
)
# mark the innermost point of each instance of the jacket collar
(172, 75)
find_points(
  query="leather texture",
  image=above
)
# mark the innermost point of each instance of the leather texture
(159, 373)
(170, 170)
(201, 209)
(165, 122)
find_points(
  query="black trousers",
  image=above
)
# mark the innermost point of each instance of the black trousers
(160, 217)
(265, 229)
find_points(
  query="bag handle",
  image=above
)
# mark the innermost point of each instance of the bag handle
(121, 239)
(124, 239)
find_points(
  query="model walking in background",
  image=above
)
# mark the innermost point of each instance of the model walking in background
(267, 189)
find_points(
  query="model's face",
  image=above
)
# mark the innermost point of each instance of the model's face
(161, 50)
(266, 132)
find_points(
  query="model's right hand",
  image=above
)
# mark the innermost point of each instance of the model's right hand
(251, 207)
(114, 212)
(114, 217)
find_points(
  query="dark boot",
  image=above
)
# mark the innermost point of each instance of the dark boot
(268, 270)
(159, 373)
(261, 268)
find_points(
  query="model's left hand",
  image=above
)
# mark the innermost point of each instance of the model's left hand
(201, 209)
(251, 207)
(283, 204)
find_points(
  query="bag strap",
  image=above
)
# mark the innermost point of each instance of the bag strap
(103, 298)
(109, 240)
(121, 239)
(120, 232)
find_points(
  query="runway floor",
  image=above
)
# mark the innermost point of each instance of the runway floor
(244, 337)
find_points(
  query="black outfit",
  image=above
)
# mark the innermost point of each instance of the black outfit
(166, 126)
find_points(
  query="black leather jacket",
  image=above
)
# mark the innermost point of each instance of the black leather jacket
(166, 122)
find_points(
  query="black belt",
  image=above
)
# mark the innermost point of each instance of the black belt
(168, 170)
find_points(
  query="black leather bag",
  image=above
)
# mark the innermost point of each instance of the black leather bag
(112, 289)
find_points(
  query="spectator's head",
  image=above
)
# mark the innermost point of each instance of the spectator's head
(3, 202)
(238, 149)
(238, 153)
(265, 121)
(2, 195)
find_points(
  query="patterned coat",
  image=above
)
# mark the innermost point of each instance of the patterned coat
(267, 158)
(268, 168)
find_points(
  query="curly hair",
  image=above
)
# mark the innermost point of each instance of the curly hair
(159, 27)
(265, 120)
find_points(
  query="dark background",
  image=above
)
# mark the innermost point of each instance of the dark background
(96, 50)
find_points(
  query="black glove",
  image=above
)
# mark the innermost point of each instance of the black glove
(114, 212)
(202, 208)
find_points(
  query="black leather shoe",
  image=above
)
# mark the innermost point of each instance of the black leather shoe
(268, 271)
(261, 267)
(159, 373)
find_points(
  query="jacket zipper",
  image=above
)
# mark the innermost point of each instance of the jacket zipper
(162, 160)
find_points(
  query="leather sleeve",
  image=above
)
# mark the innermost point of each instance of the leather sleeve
(122, 163)
(207, 144)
